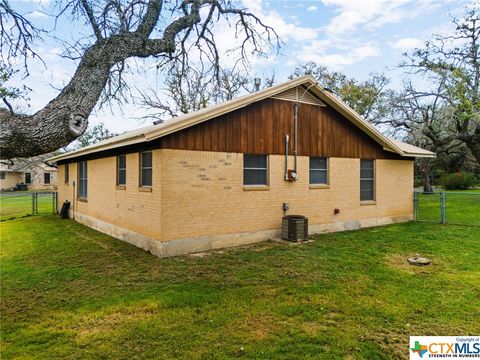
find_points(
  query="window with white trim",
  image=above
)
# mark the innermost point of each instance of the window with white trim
(255, 169)
(121, 170)
(318, 170)
(146, 169)
(82, 179)
(367, 180)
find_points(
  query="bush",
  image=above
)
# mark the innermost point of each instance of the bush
(458, 181)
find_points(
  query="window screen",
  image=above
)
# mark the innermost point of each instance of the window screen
(28, 178)
(121, 170)
(255, 170)
(67, 173)
(367, 180)
(146, 168)
(82, 179)
(318, 170)
(46, 178)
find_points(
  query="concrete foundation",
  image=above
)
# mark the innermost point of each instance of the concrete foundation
(204, 243)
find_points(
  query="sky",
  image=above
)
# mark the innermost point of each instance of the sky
(356, 37)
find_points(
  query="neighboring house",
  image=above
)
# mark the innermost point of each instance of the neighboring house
(220, 176)
(32, 172)
(9, 178)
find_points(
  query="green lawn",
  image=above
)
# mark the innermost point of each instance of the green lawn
(462, 207)
(69, 292)
(20, 205)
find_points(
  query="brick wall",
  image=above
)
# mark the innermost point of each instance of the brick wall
(198, 193)
(128, 207)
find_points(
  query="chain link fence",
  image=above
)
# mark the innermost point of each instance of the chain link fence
(457, 208)
(18, 205)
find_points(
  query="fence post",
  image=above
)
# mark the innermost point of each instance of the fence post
(54, 200)
(415, 206)
(443, 207)
(33, 203)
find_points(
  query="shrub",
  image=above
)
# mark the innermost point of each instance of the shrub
(458, 181)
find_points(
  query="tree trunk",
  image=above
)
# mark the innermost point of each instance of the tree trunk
(63, 119)
(66, 117)
(426, 172)
(474, 144)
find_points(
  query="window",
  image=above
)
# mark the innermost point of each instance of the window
(2, 175)
(367, 180)
(318, 170)
(82, 179)
(28, 178)
(121, 170)
(67, 173)
(255, 170)
(46, 178)
(146, 168)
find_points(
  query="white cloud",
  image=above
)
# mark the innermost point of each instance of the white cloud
(373, 14)
(38, 2)
(312, 8)
(285, 29)
(407, 44)
(37, 14)
(289, 30)
(337, 54)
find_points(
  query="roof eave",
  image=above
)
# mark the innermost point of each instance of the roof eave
(82, 152)
(418, 155)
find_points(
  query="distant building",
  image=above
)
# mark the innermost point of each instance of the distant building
(32, 172)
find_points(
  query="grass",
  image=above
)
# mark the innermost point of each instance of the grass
(20, 205)
(69, 292)
(462, 207)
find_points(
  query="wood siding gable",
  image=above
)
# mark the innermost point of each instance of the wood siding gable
(260, 128)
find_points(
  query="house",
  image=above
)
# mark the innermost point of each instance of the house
(220, 176)
(31, 172)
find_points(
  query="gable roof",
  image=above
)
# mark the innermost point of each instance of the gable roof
(307, 82)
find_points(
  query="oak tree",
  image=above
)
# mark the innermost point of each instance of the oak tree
(174, 32)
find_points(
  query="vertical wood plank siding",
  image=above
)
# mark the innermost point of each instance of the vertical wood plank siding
(260, 128)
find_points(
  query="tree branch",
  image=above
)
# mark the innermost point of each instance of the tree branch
(91, 19)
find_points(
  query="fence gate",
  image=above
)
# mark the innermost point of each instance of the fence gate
(15, 205)
(457, 208)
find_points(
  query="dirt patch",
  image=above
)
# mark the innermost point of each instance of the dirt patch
(97, 323)
(257, 326)
(394, 343)
(312, 328)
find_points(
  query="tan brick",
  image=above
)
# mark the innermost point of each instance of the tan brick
(198, 194)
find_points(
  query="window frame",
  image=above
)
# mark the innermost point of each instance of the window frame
(45, 178)
(373, 180)
(3, 175)
(121, 169)
(326, 170)
(67, 174)
(141, 168)
(266, 169)
(30, 178)
(80, 180)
